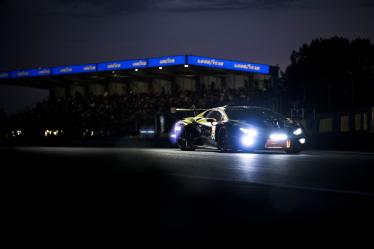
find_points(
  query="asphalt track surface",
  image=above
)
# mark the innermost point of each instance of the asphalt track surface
(65, 197)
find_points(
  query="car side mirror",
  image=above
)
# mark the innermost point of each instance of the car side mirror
(211, 120)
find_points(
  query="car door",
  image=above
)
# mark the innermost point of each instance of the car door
(208, 128)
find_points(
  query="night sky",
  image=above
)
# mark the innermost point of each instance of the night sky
(57, 32)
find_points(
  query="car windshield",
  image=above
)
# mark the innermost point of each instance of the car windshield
(258, 116)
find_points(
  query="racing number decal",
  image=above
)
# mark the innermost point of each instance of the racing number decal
(213, 134)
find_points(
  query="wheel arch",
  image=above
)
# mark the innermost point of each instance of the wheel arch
(219, 128)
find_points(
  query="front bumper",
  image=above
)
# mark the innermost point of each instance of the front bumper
(274, 144)
(265, 143)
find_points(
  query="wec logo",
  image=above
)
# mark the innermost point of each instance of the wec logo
(114, 65)
(167, 61)
(139, 64)
(44, 72)
(89, 68)
(66, 70)
(22, 73)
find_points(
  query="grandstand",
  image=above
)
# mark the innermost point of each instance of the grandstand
(134, 96)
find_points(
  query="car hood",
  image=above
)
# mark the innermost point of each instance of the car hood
(274, 125)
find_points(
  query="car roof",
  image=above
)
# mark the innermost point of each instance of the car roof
(244, 107)
(234, 107)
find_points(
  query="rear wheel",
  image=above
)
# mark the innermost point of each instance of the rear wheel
(186, 140)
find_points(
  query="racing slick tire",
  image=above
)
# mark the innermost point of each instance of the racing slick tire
(186, 140)
(293, 150)
(223, 140)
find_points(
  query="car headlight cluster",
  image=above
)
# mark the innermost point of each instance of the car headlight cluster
(177, 128)
(249, 136)
(251, 132)
(175, 132)
(298, 131)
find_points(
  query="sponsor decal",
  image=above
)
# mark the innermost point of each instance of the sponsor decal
(114, 66)
(167, 61)
(228, 64)
(247, 66)
(140, 63)
(43, 71)
(211, 62)
(89, 68)
(66, 70)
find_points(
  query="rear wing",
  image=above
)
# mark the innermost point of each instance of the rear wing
(186, 112)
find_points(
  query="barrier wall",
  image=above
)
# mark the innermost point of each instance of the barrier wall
(344, 123)
(325, 125)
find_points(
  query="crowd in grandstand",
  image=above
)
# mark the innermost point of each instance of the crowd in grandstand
(114, 115)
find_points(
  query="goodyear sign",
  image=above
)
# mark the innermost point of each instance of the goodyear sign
(228, 64)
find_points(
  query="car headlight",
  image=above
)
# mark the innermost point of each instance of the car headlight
(298, 131)
(177, 128)
(278, 136)
(248, 140)
(250, 132)
(175, 132)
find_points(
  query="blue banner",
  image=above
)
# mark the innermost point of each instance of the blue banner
(228, 64)
(141, 63)
(167, 61)
(4, 75)
(121, 65)
(86, 68)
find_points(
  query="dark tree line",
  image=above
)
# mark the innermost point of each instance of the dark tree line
(331, 75)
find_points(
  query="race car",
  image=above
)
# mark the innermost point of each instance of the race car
(239, 128)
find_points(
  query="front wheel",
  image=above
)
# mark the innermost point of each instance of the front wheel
(293, 150)
(223, 140)
(186, 140)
